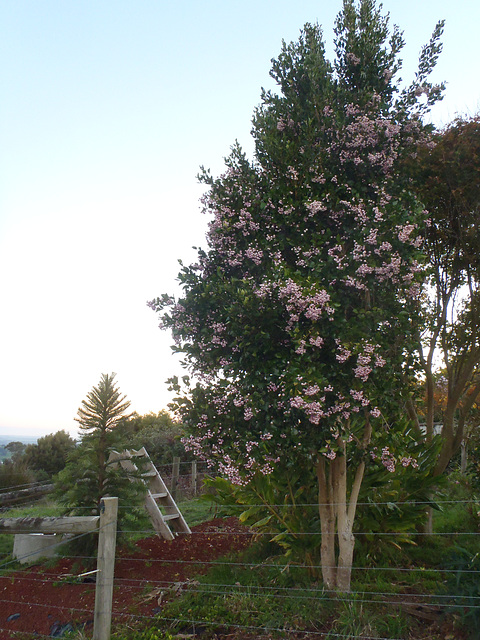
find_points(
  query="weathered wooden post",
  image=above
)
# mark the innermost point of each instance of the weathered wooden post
(107, 537)
(194, 478)
(175, 475)
(106, 525)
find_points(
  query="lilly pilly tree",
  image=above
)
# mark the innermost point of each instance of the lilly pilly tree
(297, 319)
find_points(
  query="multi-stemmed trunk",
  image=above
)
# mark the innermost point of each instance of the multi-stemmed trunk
(337, 506)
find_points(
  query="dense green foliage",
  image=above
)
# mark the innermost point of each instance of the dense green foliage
(299, 320)
(159, 433)
(14, 450)
(283, 505)
(49, 455)
(15, 475)
(447, 179)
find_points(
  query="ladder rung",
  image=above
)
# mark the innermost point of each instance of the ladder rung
(171, 516)
(149, 474)
(159, 495)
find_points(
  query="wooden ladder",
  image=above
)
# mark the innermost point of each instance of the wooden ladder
(159, 504)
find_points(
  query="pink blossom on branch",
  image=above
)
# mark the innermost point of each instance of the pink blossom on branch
(291, 316)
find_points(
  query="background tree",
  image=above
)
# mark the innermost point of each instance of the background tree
(297, 320)
(159, 433)
(447, 179)
(88, 475)
(49, 455)
(15, 475)
(16, 450)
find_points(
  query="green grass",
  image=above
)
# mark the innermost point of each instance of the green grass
(260, 595)
(268, 600)
(197, 510)
(44, 508)
(238, 596)
(272, 599)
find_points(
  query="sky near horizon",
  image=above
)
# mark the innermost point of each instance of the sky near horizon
(108, 110)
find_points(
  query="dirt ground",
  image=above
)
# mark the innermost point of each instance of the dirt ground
(43, 600)
(40, 599)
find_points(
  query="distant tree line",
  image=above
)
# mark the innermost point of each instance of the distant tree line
(159, 433)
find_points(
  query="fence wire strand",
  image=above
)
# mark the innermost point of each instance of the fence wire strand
(266, 592)
(424, 600)
(262, 565)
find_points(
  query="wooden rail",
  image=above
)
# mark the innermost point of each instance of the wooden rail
(79, 524)
(13, 497)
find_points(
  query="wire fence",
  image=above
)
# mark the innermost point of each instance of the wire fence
(154, 573)
(15, 487)
(185, 479)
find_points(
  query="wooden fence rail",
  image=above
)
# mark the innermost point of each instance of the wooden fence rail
(190, 486)
(9, 498)
(77, 525)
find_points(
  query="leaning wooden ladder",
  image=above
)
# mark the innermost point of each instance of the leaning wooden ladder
(159, 504)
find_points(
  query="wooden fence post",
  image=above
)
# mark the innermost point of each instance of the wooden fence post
(175, 474)
(194, 478)
(107, 536)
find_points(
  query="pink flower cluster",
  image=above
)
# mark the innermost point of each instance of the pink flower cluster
(389, 461)
(254, 254)
(343, 353)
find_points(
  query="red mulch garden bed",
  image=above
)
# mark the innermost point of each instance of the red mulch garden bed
(40, 600)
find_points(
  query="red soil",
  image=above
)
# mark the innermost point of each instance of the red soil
(45, 601)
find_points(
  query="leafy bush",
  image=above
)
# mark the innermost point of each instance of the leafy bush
(285, 502)
(158, 433)
(49, 455)
(462, 505)
(283, 506)
(397, 502)
(14, 475)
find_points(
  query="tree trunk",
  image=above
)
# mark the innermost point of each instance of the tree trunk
(337, 513)
(428, 528)
(346, 540)
(430, 389)
(464, 457)
(327, 524)
(346, 545)
(336, 520)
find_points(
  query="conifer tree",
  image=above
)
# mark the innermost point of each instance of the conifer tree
(88, 476)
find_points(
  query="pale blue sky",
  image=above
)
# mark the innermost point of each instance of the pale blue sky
(107, 110)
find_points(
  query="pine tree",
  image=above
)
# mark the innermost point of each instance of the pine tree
(88, 476)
